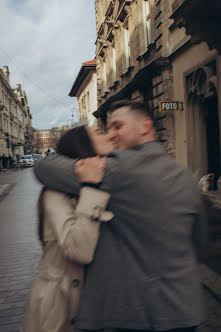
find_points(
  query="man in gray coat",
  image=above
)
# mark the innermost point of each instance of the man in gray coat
(144, 275)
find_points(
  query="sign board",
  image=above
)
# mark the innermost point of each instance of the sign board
(168, 106)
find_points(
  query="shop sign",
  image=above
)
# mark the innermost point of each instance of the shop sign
(168, 106)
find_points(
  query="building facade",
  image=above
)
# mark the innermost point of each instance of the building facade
(28, 132)
(154, 50)
(85, 89)
(42, 141)
(12, 121)
(45, 140)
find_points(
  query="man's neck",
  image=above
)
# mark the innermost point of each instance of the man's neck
(148, 138)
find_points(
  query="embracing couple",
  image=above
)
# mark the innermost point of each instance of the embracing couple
(122, 234)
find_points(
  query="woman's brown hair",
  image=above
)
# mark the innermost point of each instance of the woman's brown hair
(76, 144)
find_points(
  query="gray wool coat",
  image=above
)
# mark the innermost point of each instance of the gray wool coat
(144, 275)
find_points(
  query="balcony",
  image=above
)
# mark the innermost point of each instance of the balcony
(201, 19)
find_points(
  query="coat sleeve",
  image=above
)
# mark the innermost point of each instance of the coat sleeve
(76, 229)
(56, 172)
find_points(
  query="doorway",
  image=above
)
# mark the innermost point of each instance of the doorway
(203, 130)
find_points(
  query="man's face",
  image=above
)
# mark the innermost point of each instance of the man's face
(124, 129)
(100, 142)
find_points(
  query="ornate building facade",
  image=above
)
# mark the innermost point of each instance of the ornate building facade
(15, 119)
(46, 139)
(28, 130)
(155, 50)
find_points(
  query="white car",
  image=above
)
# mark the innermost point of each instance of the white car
(27, 160)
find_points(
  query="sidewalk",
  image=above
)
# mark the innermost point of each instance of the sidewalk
(20, 249)
(5, 190)
(8, 180)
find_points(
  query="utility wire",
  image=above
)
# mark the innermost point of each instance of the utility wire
(34, 83)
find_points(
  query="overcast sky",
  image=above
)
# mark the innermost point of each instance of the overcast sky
(48, 40)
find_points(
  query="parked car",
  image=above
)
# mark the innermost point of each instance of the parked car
(36, 157)
(27, 160)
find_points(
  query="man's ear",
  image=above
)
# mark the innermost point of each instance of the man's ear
(147, 125)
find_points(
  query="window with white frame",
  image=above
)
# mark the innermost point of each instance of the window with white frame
(79, 109)
(88, 102)
(146, 19)
(84, 116)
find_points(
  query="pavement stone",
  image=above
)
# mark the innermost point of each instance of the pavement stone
(15, 282)
(20, 250)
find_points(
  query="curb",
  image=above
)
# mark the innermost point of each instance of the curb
(5, 190)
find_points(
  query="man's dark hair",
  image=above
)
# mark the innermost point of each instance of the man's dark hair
(138, 107)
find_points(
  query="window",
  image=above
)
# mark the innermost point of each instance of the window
(79, 109)
(104, 76)
(84, 116)
(15, 111)
(127, 46)
(6, 101)
(3, 98)
(5, 124)
(146, 18)
(82, 109)
(10, 105)
(114, 65)
(88, 102)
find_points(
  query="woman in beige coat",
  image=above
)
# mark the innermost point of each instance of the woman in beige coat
(69, 230)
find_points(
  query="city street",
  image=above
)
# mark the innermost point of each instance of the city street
(19, 246)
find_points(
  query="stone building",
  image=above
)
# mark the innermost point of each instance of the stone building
(12, 121)
(28, 133)
(44, 140)
(85, 89)
(157, 50)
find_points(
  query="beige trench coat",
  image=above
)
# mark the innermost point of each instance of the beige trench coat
(71, 233)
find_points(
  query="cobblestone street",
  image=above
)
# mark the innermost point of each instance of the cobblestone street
(19, 246)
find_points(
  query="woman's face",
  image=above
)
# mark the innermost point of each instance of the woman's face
(101, 143)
